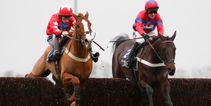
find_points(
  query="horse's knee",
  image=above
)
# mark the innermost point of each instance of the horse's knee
(69, 79)
(149, 89)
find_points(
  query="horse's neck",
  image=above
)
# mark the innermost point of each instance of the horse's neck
(149, 55)
(77, 49)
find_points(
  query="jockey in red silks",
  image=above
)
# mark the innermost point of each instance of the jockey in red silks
(59, 27)
(145, 23)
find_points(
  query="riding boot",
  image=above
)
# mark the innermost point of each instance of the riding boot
(133, 53)
(56, 51)
(94, 55)
(64, 40)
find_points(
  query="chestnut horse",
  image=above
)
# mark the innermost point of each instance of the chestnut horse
(153, 64)
(75, 65)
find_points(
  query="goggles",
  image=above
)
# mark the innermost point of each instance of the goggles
(153, 10)
(65, 17)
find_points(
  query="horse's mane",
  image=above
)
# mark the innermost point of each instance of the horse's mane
(118, 40)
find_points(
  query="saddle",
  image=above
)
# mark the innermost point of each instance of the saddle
(125, 58)
(52, 57)
(139, 49)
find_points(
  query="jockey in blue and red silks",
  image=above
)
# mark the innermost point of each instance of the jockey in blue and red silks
(148, 19)
(145, 23)
(59, 27)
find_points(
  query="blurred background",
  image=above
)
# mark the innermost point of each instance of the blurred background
(23, 39)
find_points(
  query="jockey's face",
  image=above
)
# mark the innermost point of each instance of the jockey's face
(65, 19)
(152, 13)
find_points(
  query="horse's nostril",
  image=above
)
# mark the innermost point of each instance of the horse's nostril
(171, 72)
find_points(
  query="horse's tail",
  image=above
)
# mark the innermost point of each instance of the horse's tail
(118, 40)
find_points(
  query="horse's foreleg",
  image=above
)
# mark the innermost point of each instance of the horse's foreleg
(77, 94)
(69, 79)
(166, 93)
(149, 91)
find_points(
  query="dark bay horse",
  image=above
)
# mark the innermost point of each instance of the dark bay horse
(75, 64)
(154, 64)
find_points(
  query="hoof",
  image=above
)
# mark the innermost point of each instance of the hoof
(74, 103)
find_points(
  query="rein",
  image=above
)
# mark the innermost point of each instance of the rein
(157, 64)
(92, 41)
(134, 34)
(155, 51)
(73, 38)
(112, 41)
(152, 64)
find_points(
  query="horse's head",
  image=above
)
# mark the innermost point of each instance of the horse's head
(166, 50)
(83, 31)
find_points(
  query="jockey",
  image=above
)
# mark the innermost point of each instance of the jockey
(145, 23)
(59, 27)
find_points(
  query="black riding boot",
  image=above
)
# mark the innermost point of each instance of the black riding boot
(64, 40)
(94, 55)
(131, 59)
(56, 51)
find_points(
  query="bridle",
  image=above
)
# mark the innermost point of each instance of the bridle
(171, 61)
(81, 36)
(162, 63)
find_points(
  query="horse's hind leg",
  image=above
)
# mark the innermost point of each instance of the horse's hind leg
(118, 73)
(166, 93)
(116, 69)
(149, 91)
(39, 69)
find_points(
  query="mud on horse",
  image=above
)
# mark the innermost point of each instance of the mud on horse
(75, 64)
(154, 64)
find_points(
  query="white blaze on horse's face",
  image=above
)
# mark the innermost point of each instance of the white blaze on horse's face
(86, 29)
(85, 23)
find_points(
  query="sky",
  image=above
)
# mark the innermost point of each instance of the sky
(23, 24)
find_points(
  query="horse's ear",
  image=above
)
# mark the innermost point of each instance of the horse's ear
(75, 16)
(79, 17)
(174, 35)
(86, 15)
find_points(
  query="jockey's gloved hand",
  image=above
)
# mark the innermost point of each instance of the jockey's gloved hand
(65, 33)
(146, 37)
(162, 37)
